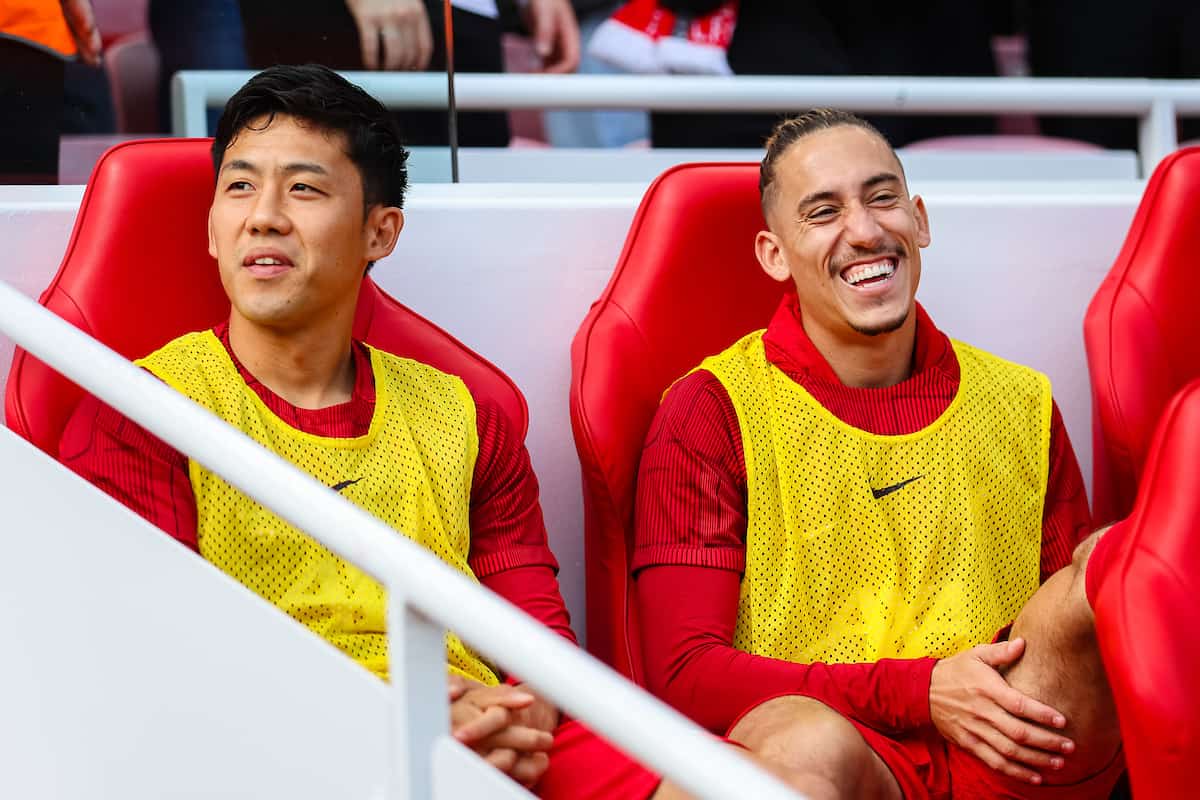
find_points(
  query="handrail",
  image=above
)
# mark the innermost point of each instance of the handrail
(1155, 103)
(425, 594)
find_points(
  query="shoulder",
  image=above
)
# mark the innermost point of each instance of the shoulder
(998, 369)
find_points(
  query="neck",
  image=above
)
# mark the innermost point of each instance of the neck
(861, 361)
(309, 368)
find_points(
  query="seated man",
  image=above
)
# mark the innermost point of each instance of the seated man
(310, 178)
(832, 505)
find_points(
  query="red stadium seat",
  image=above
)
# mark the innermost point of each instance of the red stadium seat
(1142, 331)
(1147, 605)
(687, 285)
(137, 274)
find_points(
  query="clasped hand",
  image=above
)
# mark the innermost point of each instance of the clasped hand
(508, 726)
(974, 707)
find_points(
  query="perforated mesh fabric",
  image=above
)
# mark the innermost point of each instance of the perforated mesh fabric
(412, 469)
(861, 546)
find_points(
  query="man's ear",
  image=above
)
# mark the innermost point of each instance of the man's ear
(381, 230)
(212, 237)
(771, 257)
(922, 217)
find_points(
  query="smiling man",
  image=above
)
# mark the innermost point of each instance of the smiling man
(310, 180)
(838, 514)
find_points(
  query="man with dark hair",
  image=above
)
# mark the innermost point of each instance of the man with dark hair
(310, 180)
(837, 514)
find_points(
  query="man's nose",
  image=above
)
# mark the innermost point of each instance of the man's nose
(267, 214)
(862, 229)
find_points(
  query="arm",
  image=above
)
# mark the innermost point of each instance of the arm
(131, 465)
(690, 660)
(1066, 519)
(511, 556)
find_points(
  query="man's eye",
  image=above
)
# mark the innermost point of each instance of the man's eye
(885, 197)
(302, 187)
(824, 212)
(239, 186)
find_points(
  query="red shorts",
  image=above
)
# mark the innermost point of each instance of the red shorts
(927, 767)
(585, 767)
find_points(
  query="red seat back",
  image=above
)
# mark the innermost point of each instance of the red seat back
(1142, 330)
(137, 274)
(687, 285)
(1147, 605)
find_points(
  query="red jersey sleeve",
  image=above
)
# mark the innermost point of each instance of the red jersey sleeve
(1066, 518)
(507, 529)
(691, 492)
(132, 465)
(690, 660)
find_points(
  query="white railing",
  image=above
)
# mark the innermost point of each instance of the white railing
(1155, 103)
(425, 596)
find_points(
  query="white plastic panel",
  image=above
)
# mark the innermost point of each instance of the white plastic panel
(133, 669)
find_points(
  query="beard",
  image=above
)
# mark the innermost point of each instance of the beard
(880, 329)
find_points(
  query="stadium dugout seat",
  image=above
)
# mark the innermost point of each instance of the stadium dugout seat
(687, 285)
(1147, 604)
(1142, 331)
(137, 273)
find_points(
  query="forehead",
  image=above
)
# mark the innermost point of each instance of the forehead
(836, 160)
(267, 141)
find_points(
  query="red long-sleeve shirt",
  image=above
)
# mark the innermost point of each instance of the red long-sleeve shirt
(690, 549)
(509, 550)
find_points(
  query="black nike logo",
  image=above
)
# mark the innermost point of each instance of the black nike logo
(337, 487)
(885, 491)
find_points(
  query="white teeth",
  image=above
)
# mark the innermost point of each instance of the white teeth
(862, 272)
(266, 261)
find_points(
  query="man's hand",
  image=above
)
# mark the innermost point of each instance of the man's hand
(555, 33)
(394, 34)
(82, 22)
(974, 707)
(488, 719)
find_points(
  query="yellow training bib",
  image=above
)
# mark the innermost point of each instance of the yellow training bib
(412, 470)
(860, 546)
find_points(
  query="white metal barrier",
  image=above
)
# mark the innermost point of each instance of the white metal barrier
(424, 594)
(1155, 103)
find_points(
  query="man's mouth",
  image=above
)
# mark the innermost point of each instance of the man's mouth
(870, 273)
(266, 264)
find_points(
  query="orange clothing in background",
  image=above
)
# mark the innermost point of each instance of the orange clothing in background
(39, 22)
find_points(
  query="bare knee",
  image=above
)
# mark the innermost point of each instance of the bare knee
(817, 746)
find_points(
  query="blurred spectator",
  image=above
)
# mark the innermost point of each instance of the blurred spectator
(408, 35)
(828, 37)
(1113, 39)
(197, 34)
(595, 128)
(37, 37)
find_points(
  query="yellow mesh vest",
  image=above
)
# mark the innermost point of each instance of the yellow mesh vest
(412, 469)
(860, 546)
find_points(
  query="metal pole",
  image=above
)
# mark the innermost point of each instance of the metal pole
(452, 109)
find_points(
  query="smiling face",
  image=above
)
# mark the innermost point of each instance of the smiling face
(844, 229)
(288, 226)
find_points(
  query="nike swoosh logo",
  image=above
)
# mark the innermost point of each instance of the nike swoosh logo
(337, 487)
(895, 487)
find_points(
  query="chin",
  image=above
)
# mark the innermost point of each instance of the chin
(880, 326)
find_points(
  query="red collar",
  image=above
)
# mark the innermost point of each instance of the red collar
(789, 348)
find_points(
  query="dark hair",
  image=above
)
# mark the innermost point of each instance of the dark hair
(791, 130)
(327, 101)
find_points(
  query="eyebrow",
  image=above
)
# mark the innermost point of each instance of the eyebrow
(287, 169)
(869, 183)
